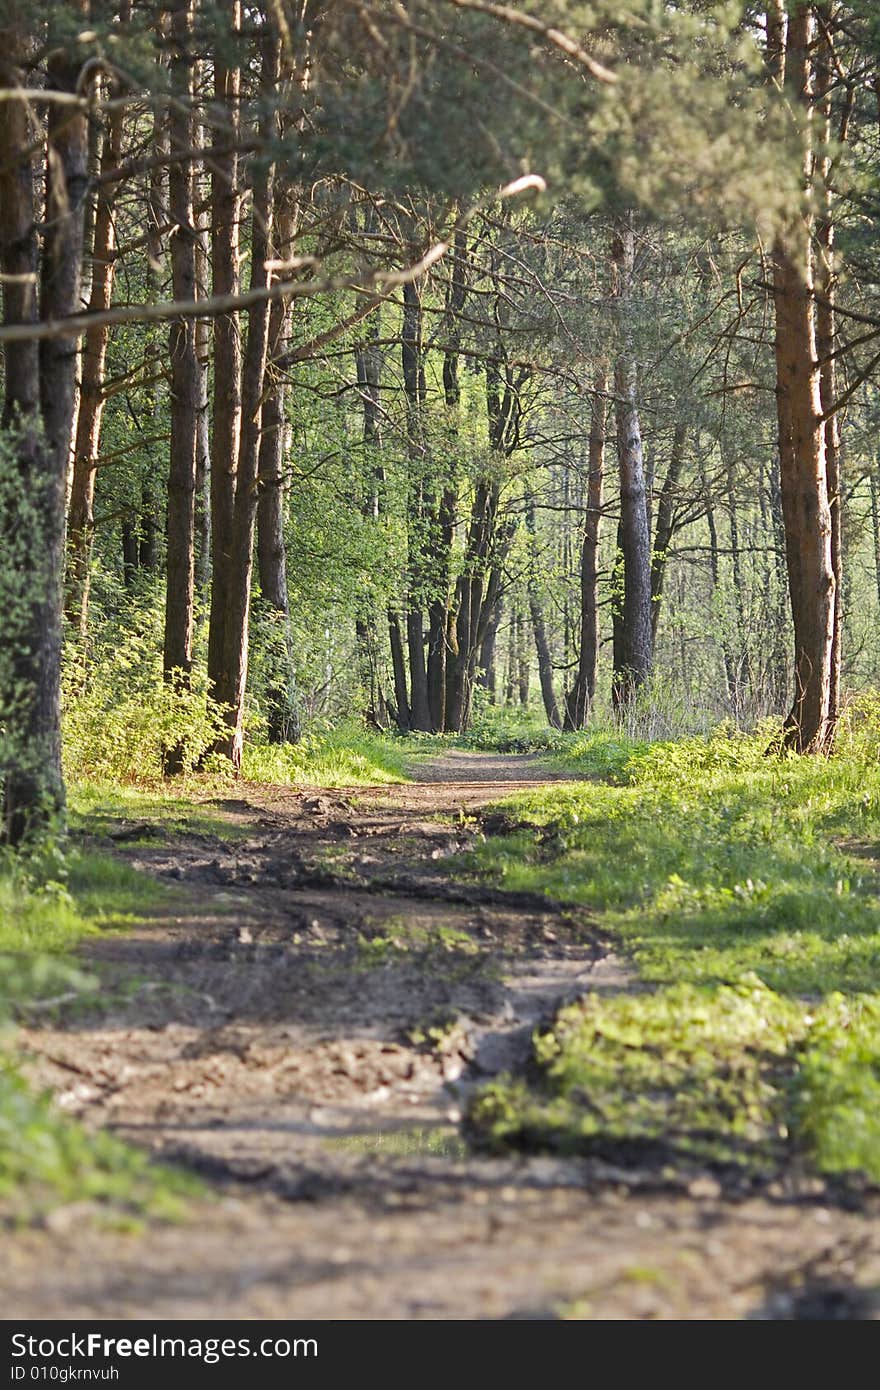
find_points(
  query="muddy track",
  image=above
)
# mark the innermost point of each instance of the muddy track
(303, 1026)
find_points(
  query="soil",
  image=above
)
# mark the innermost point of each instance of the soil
(303, 1025)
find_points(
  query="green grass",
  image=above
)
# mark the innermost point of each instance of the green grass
(721, 869)
(196, 807)
(349, 756)
(676, 1073)
(46, 1159)
(48, 903)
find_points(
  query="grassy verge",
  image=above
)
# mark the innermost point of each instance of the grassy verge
(47, 905)
(348, 756)
(723, 872)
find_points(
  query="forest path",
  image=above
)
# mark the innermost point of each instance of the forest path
(302, 1025)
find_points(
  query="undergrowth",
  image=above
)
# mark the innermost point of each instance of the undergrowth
(49, 901)
(347, 756)
(744, 885)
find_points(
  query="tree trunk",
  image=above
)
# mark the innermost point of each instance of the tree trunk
(736, 656)
(368, 369)
(185, 383)
(826, 343)
(40, 391)
(802, 444)
(665, 527)
(398, 666)
(488, 675)
(522, 662)
(281, 696)
(632, 665)
(444, 522)
(579, 701)
(81, 518)
(226, 421)
(417, 519)
(542, 645)
(875, 527)
(233, 677)
(202, 520)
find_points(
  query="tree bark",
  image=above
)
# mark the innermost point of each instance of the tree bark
(233, 677)
(634, 654)
(488, 675)
(81, 517)
(281, 696)
(542, 645)
(202, 518)
(522, 662)
(417, 509)
(185, 382)
(826, 343)
(398, 666)
(444, 522)
(579, 701)
(665, 526)
(226, 420)
(802, 443)
(368, 369)
(39, 403)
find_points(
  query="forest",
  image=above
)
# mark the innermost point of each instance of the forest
(439, 676)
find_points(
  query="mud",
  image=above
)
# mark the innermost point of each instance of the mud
(302, 1027)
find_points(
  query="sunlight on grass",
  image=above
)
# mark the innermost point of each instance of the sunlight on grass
(719, 867)
(48, 903)
(349, 756)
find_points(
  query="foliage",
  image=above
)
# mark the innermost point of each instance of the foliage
(120, 715)
(46, 1159)
(697, 1074)
(723, 867)
(347, 756)
(50, 900)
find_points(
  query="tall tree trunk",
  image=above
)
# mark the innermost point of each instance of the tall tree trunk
(510, 663)
(715, 575)
(479, 588)
(740, 651)
(39, 402)
(398, 666)
(579, 701)
(141, 549)
(81, 517)
(368, 368)
(634, 656)
(281, 696)
(826, 343)
(665, 527)
(488, 675)
(523, 668)
(802, 443)
(444, 521)
(545, 663)
(202, 520)
(875, 527)
(185, 376)
(542, 645)
(443, 535)
(413, 385)
(782, 625)
(226, 420)
(233, 678)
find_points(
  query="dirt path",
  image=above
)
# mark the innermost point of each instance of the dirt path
(303, 1028)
